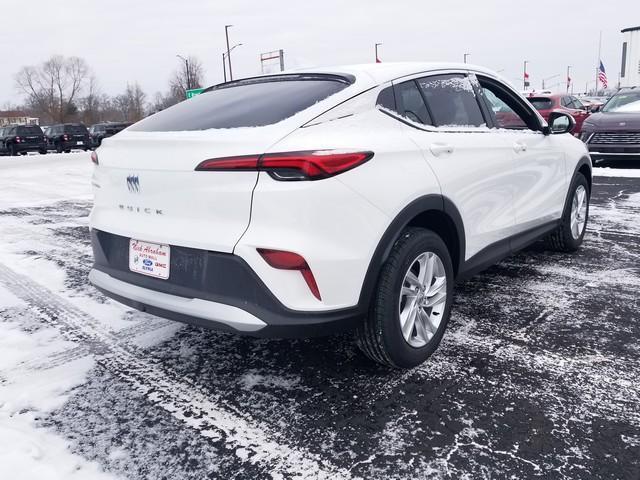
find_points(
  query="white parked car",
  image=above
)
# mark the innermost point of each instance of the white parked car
(324, 200)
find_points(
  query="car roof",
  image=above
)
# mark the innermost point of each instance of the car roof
(384, 72)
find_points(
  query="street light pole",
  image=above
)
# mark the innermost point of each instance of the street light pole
(186, 63)
(224, 56)
(224, 67)
(226, 33)
(549, 78)
(465, 57)
(377, 58)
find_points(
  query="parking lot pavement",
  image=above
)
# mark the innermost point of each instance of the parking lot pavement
(537, 376)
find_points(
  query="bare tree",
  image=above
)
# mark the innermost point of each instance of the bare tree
(54, 86)
(131, 104)
(91, 103)
(184, 79)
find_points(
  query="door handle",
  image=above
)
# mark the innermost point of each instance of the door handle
(520, 147)
(441, 149)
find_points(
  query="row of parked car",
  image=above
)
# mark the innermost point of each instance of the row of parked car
(64, 137)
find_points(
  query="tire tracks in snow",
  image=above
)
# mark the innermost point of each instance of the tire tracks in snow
(203, 411)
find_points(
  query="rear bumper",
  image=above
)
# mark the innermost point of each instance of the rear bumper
(209, 289)
(30, 147)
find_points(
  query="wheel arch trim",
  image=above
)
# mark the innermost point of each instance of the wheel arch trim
(419, 206)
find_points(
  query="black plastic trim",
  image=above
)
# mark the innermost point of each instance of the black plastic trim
(217, 277)
(497, 251)
(420, 205)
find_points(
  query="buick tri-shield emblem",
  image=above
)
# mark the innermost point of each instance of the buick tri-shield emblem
(133, 183)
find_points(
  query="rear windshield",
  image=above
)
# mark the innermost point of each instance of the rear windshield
(75, 129)
(541, 103)
(29, 130)
(251, 103)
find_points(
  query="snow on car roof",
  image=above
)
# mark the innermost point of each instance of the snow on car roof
(384, 72)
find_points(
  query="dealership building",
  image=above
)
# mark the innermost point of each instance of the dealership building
(630, 69)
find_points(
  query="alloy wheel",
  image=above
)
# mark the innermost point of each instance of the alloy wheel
(423, 297)
(578, 212)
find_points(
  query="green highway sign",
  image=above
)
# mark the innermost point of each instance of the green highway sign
(194, 91)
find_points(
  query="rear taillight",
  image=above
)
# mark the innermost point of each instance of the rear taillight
(65, 137)
(18, 139)
(291, 261)
(307, 165)
(94, 157)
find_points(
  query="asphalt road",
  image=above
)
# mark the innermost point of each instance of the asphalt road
(538, 375)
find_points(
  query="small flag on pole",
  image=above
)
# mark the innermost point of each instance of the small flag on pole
(526, 79)
(602, 75)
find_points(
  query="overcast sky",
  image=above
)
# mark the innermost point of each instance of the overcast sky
(137, 40)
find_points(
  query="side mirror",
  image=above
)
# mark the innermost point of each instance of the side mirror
(560, 122)
(595, 108)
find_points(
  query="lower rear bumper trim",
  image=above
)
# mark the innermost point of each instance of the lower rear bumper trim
(229, 315)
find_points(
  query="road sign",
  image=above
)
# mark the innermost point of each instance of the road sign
(194, 91)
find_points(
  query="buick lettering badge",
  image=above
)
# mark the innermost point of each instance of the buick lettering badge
(133, 183)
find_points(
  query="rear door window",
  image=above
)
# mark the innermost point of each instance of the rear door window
(248, 103)
(451, 101)
(410, 103)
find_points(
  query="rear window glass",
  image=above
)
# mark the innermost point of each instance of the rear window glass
(29, 130)
(254, 103)
(541, 103)
(75, 129)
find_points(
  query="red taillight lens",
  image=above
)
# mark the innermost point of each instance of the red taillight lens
(94, 157)
(244, 162)
(65, 137)
(308, 165)
(18, 139)
(291, 261)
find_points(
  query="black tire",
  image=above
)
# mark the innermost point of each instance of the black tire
(43, 151)
(380, 336)
(562, 240)
(12, 150)
(67, 151)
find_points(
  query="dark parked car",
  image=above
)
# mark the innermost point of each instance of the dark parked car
(20, 139)
(613, 133)
(100, 131)
(545, 104)
(67, 136)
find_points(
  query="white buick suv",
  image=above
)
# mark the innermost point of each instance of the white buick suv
(325, 200)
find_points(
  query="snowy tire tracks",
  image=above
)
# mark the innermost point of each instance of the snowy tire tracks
(185, 401)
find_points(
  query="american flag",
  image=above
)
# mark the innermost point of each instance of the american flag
(602, 75)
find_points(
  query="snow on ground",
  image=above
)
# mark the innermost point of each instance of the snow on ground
(538, 375)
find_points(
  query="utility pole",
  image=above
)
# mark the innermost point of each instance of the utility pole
(568, 77)
(226, 33)
(376, 48)
(465, 57)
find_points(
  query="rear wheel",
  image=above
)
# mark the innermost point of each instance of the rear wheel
(573, 225)
(412, 304)
(43, 151)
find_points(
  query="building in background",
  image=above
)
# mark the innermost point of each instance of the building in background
(16, 117)
(630, 69)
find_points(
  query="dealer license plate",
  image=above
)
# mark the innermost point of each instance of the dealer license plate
(150, 259)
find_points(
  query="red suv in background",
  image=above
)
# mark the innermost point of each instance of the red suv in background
(545, 104)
